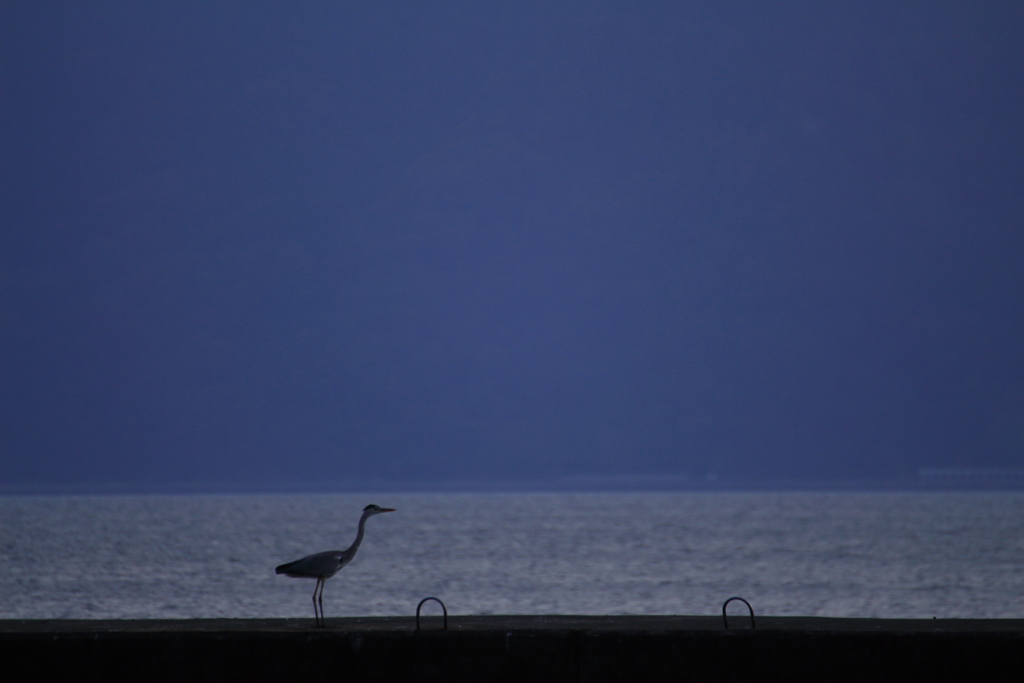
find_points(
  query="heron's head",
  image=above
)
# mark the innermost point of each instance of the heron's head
(372, 509)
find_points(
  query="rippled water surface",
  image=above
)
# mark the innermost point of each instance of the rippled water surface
(843, 554)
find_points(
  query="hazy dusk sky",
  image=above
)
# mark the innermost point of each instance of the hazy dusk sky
(244, 243)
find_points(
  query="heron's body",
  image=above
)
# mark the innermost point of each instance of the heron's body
(322, 566)
(319, 566)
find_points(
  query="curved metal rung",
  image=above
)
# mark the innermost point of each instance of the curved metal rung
(420, 606)
(725, 619)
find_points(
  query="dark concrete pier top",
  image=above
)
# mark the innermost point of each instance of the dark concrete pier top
(514, 622)
(515, 648)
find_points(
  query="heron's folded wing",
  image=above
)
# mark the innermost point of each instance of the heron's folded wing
(314, 566)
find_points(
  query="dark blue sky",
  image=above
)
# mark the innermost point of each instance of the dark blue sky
(248, 243)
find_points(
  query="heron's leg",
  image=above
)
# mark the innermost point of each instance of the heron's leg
(323, 619)
(320, 599)
(315, 612)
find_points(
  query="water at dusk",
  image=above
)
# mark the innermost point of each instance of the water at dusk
(824, 554)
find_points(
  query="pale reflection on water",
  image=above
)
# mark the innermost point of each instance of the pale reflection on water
(840, 554)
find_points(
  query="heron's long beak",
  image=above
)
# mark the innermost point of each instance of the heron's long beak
(386, 510)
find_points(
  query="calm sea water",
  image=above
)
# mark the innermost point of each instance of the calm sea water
(843, 554)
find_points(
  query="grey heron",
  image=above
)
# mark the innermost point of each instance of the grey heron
(322, 566)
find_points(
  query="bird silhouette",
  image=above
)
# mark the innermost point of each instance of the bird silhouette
(322, 566)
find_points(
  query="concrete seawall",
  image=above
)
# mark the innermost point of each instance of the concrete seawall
(573, 649)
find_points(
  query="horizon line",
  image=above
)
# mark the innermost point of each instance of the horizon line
(955, 479)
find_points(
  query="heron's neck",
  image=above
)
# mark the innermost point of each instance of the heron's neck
(359, 534)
